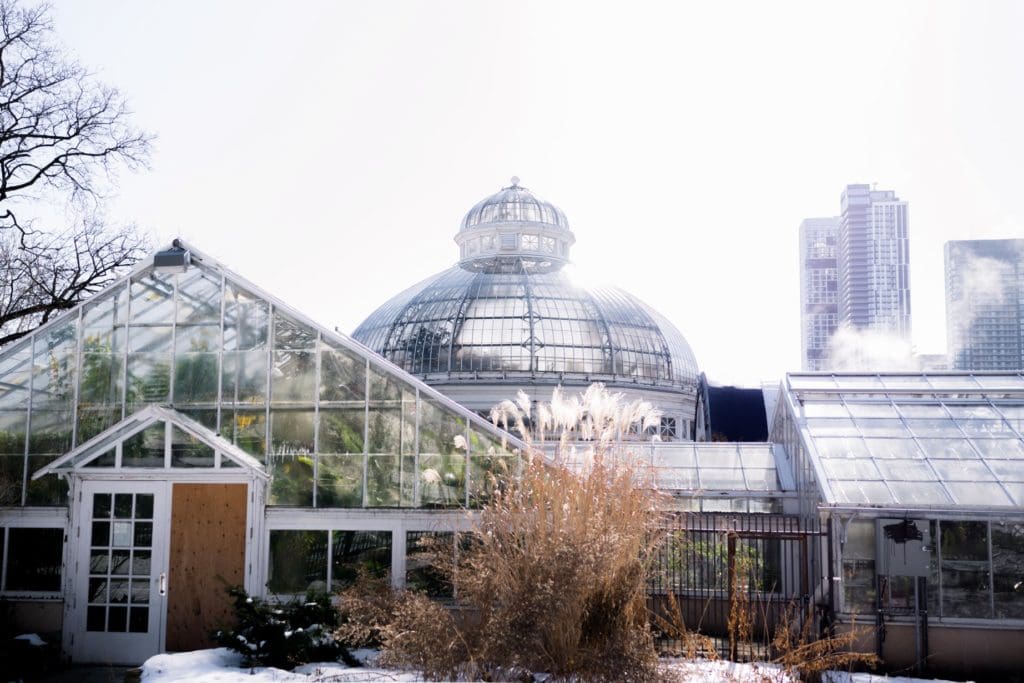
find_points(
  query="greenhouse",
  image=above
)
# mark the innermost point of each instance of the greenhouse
(183, 425)
(920, 479)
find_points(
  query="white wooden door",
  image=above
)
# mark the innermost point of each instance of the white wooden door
(121, 576)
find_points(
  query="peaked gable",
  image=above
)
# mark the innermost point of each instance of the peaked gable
(330, 421)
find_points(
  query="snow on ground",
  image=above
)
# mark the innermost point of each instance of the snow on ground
(221, 665)
(224, 666)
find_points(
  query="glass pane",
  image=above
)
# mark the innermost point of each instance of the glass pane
(246, 320)
(965, 568)
(442, 480)
(429, 556)
(244, 377)
(12, 476)
(341, 429)
(34, 559)
(1008, 569)
(293, 377)
(383, 481)
(291, 431)
(102, 380)
(149, 378)
(438, 428)
(353, 552)
(199, 296)
(339, 481)
(291, 334)
(250, 431)
(152, 299)
(195, 378)
(859, 567)
(145, 449)
(155, 339)
(342, 376)
(291, 480)
(48, 490)
(298, 561)
(188, 451)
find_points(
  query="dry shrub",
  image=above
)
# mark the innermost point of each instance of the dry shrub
(799, 652)
(366, 608)
(554, 578)
(673, 627)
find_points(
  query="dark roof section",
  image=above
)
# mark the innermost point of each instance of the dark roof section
(737, 414)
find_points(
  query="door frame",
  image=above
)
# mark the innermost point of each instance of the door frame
(77, 547)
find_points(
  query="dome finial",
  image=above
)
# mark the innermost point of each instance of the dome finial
(515, 181)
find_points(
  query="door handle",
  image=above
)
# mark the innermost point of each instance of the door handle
(163, 583)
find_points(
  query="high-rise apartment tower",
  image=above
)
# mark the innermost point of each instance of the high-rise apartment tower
(819, 290)
(874, 261)
(985, 304)
(854, 270)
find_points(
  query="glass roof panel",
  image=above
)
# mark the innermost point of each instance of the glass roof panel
(905, 382)
(1017, 491)
(859, 382)
(722, 479)
(824, 409)
(674, 456)
(1000, 448)
(761, 479)
(851, 468)
(812, 382)
(1007, 470)
(952, 383)
(879, 427)
(835, 447)
(874, 409)
(905, 470)
(832, 427)
(919, 493)
(974, 427)
(978, 493)
(929, 427)
(717, 457)
(680, 478)
(932, 410)
(1008, 382)
(861, 492)
(948, 448)
(893, 448)
(757, 456)
(962, 470)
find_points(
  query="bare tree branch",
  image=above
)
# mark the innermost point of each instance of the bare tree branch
(62, 133)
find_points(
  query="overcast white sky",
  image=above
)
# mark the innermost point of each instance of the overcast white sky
(328, 150)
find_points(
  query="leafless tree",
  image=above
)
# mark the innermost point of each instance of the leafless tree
(63, 136)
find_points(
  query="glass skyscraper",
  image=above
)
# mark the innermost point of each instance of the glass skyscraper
(984, 300)
(854, 271)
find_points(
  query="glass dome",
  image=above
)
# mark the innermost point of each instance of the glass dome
(514, 204)
(508, 312)
(507, 325)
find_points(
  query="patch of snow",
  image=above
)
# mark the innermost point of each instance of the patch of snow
(33, 639)
(222, 665)
(844, 677)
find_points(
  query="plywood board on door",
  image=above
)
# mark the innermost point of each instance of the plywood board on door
(207, 556)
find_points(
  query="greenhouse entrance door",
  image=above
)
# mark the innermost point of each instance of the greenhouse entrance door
(121, 577)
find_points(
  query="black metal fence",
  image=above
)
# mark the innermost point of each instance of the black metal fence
(732, 580)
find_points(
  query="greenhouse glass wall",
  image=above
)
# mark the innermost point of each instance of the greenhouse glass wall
(183, 425)
(921, 480)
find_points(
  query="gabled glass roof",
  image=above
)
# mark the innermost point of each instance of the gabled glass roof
(332, 423)
(914, 441)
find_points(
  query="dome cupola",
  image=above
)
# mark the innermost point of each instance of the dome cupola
(514, 230)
